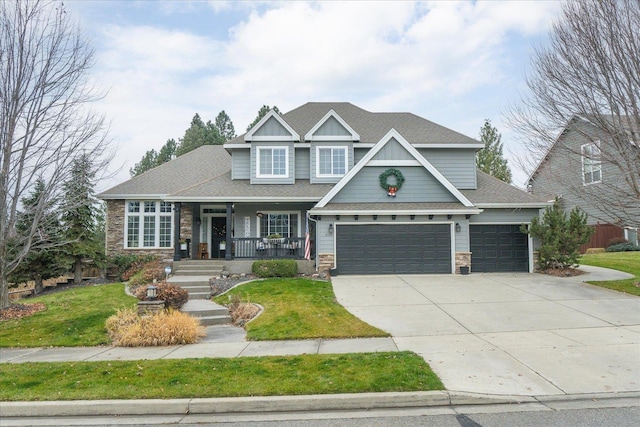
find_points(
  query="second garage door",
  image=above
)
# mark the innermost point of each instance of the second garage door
(498, 248)
(393, 249)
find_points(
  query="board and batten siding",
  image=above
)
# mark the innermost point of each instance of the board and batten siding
(419, 186)
(272, 127)
(313, 160)
(393, 151)
(254, 162)
(331, 127)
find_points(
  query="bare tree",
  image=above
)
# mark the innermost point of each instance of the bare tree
(44, 118)
(586, 82)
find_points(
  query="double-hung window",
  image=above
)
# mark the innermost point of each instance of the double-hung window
(284, 224)
(331, 161)
(148, 224)
(591, 163)
(273, 162)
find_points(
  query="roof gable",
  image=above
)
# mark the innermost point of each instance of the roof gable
(332, 127)
(272, 127)
(393, 137)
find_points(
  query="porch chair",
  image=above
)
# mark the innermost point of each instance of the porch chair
(203, 251)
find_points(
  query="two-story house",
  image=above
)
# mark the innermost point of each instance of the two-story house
(584, 167)
(377, 192)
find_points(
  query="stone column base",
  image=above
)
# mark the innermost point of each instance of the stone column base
(463, 259)
(146, 308)
(325, 262)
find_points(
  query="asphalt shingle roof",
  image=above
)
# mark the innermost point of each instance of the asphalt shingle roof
(371, 126)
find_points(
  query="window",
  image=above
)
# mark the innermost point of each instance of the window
(284, 224)
(331, 161)
(149, 224)
(591, 163)
(273, 162)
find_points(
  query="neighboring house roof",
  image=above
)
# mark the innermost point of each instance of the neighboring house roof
(371, 127)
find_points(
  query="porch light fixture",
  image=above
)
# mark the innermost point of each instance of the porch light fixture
(449, 216)
(259, 214)
(331, 228)
(412, 216)
(167, 272)
(458, 228)
(198, 221)
(152, 292)
(430, 216)
(467, 216)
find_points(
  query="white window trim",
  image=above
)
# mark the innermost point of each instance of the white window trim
(332, 147)
(298, 231)
(599, 162)
(286, 153)
(141, 214)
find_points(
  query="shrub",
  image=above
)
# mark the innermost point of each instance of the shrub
(148, 272)
(616, 241)
(623, 247)
(241, 312)
(123, 266)
(275, 268)
(139, 264)
(127, 329)
(172, 295)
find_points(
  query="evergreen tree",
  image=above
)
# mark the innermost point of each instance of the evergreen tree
(490, 159)
(197, 135)
(261, 113)
(80, 216)
(225, 126)
(560, 236)
(167, 152)
(148, 161)
(43, 261)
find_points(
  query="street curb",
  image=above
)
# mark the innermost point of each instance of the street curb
(274, 404)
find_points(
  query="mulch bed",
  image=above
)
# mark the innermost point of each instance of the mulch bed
(18, 311)
(563, 272)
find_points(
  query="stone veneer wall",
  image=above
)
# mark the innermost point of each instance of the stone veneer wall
(325, 262)
(114, 241)
(463, 259)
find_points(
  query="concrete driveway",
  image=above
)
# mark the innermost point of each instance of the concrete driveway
(508, 333)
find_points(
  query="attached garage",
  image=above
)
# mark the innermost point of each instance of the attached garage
(393, 248)
(498, 248)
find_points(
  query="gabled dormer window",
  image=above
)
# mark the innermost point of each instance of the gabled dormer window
(273, 162)
(331, 161)
(591, 163)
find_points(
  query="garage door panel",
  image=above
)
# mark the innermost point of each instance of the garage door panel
(393, 249)
(497, 248)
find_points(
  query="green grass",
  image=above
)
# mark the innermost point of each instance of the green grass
(189, 378)
(73, 317)
(628, 262)
(299, 309)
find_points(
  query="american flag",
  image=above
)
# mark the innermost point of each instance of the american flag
(307, 239)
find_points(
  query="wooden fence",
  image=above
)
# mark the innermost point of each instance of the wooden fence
(603, 233)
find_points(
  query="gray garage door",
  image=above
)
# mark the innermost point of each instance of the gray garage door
(393, 249)
(498, 248)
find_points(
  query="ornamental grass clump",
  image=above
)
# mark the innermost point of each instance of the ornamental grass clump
(171, 327)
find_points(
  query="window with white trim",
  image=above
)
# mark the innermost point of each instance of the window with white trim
(272, 162)
(283, 223)
(149, 224)
(331, 161)
(591, 163)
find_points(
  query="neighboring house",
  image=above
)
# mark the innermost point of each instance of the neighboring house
(383, 193)
(580, 169)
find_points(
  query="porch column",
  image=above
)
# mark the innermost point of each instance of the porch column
(229, 247)
(176, 231)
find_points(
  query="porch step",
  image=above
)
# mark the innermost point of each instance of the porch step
(207, 312)
(198, 268)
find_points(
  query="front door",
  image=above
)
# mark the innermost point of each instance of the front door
(218, 236)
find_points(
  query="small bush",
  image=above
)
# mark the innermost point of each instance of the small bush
(172, 295)
(241, 312)
(275, 268)
(123, 266)
(139, 264)
(623, 247)
(596, 250)
(616, 241)
(127, 329)
(147, 273)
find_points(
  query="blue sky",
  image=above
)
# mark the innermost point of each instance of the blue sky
(455, 63)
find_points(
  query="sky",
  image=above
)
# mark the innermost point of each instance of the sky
(455, 63)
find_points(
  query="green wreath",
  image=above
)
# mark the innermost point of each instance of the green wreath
(384, 176)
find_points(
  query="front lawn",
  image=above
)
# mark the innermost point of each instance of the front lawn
(73, 317)
(298, 309)
(628, 262)
(190, 378)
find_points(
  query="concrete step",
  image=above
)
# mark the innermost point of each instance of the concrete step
(207, 312)
(199, 272)
(199, 295)
(204, 262)
(215, 320)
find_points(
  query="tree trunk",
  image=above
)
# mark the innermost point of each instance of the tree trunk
(4, 292)
(38, 287)
(77, 271)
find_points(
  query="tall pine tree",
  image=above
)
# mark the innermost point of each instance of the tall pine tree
(197, 135)
(490, 159)
(261, 113)
(80, 212)
(225, 126)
